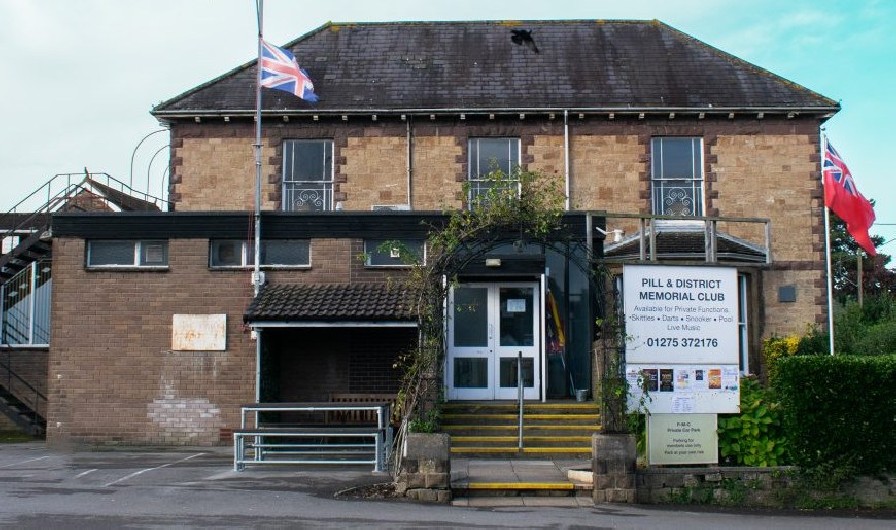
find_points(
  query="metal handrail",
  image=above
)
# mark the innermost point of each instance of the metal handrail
(647, 231)
(38, 396)
(519, 389)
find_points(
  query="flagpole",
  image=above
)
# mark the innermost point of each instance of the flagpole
(827, 250)
(256, 274)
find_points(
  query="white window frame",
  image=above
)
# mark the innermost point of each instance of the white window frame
(368, 253)
(137, 262)
(477, 174)
(247, 255)
(314, 195)
(680, 185)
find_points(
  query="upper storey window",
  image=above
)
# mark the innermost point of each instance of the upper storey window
(677, 176)
(486, 156)
(307, 175)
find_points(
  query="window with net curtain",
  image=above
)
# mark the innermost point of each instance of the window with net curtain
(307, 175)
(676, 175)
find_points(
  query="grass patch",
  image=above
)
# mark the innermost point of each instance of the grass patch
(10, 437)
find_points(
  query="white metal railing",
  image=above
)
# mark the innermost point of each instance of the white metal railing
(314, 444)
(750, 234)
(25, 306)
(311, 196)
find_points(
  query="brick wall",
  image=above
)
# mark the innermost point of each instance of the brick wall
(376, 171)
(112, 375)
(437, 162)
(213, 168)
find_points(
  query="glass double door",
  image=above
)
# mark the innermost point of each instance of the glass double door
(489, 325)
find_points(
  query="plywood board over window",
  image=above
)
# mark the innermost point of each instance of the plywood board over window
(199, 332)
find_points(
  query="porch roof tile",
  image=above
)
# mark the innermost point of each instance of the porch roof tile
(330, 303)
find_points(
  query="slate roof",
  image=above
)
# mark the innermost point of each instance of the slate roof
(469, 66)
(330, 303)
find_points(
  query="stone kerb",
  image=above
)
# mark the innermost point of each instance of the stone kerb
(425, 473)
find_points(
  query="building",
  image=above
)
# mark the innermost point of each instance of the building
(157, 337)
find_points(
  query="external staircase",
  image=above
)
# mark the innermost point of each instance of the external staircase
(554, 461)
(26, 275)
(561, 429)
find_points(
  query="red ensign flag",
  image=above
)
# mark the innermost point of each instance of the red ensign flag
(844, 199)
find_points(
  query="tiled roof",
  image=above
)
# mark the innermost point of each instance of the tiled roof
(465, 66)
(330, 303)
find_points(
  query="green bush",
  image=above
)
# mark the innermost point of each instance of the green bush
(879, 339)
(840, 411)
(754, 437)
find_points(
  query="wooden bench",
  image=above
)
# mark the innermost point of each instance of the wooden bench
(367, 443)
(355, 417)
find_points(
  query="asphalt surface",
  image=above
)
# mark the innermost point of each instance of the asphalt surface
(197, 488)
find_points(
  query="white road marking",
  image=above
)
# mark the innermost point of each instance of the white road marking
(135, 473)
(25, 461)
(79, 475)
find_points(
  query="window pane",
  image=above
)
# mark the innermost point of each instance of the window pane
(470, 316)
(226, 254)
(111, 253)
(677, 176)
(154, 253)
(307, 175)
(487, 155)
(516, 324)
(470, 372)
(307, 160)
(285, 252)
(398, 254)
(507, 372)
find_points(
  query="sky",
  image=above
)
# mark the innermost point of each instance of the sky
(79, 78)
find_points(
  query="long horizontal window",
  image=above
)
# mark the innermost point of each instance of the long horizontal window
(394, 253)
(127, 253)
(273, 252)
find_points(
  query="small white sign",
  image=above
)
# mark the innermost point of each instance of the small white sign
(682, 439)
(516, 305)
(199, 332)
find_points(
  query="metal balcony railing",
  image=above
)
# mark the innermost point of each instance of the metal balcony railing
(633, 237)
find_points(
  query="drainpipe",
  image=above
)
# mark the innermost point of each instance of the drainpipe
(410, 167)
(566, 154)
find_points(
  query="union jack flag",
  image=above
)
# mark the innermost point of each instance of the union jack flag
(280, 70)
(843, 198)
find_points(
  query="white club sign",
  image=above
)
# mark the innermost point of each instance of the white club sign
(680, 315)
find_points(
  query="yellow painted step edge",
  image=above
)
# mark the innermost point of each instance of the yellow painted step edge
(571, 438)
(525, 416)
(516, 486)
(589, 427)
(576, 450)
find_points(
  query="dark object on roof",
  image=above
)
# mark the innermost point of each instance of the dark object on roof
(468, 66)
(127, 203)
(523, 37)
(330, 303)
(687, 245)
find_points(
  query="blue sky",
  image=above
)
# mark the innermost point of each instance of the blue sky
(78, 79)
